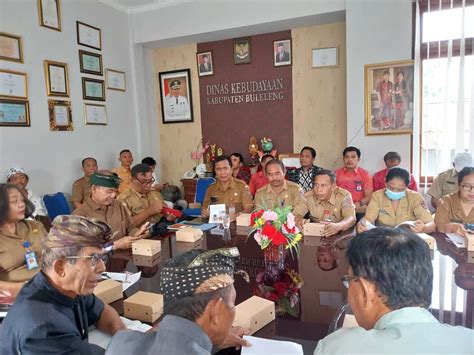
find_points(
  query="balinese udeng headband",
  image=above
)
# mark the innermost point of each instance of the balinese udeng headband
(111, 181)
(14, 171)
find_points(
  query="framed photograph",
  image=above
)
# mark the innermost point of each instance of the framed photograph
(95, 114)
(325, 57)
(205, 64)
(282, 52)
(57, 82)
(176, 97)
(93, 89)
(88, 35)
(13, 84)
(14, 113)
(11, 47)
(242, 51)
(90, 63)
(389, 97)
(60, 117)
(49, 12)
(115, 79)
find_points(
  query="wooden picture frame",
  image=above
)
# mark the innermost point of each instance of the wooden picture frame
(88, 35)
(11, 47)
(176, 96)
(14, 113)
(49, 13)
(95, 114)
(13, 84)
(283, 56)
(205, 63)
(90, 63)
(325, 57)
(60, 115)
(115, 79)
(242, 50)
(57, 80)
(93, 89)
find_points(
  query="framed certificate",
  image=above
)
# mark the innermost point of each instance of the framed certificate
(50, 14)
(93, 89)
(14, 113)
(88, 35)
(325, 58)
(13, 84)
(60, 118)
(90, 63)
(115, 79)
(57, 83)
(95, 114)
(10, 47)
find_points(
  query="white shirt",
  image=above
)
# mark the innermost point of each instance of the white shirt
(176, 106)
(40, 208)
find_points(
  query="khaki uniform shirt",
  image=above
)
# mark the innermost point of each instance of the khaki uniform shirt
(410, 208)
(116, 216)
(126, 177)
(81, 190)
(12, 252)
(445, 183)
(338, 207)
(237, 194)
(136, 202)
(450, 211)
(290, 195)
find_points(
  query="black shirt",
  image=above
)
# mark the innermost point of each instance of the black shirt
(44, 321)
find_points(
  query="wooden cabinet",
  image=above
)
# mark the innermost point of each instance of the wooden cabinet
(189, 186)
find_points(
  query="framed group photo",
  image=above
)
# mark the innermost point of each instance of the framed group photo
(93, 89)
(14, 113)
(389, 98)
(242, 51)
(282, 52)
(11, 47)
(176, 97)
(49, 12)
(57, 82)
(90, 63)
(205, 64)
(60, 117)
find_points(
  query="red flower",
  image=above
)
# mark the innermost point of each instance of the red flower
(272, 296)
(255, 215)
(280, 288)
(274, 235)
(288, 230)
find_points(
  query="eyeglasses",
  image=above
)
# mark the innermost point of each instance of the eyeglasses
(146, 182)
(94, 258)
(347, 279)
(467, 188)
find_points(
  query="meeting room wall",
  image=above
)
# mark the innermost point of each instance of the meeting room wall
(52, 159)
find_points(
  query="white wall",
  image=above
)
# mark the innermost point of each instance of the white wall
(52, 159)
(376, 31)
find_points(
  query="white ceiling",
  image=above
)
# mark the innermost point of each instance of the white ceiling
(135, 6)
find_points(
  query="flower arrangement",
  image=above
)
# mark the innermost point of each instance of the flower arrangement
(276, 227)
(199, 152)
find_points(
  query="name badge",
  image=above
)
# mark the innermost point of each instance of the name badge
(358, 185)
(31, 262)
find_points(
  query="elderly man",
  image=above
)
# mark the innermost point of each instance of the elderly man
(81, 189)
(103, 206)
(199, 300)
(304, 176)
(391, 159)
(278, 192)
(54, 310)
(124, 170)
(327, 204)
(390, 281)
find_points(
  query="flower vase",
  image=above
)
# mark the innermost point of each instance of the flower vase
(274, 257)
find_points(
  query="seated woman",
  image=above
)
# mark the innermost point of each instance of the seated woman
(455, 210)
(239, 171)
(396, 204)
(20, 240)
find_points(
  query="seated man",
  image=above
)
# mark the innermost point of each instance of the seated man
(447, 181)
(391, 160)
(103, 206)
(123, 171)
(199, 298)
(259, 179)
(304, 176)
(227, 190)
(327, 204)
(143, 203)
(355, 179)
(390, 282)
(54, 310)
(81, 189)
(455, 210)
(278, 192)
(396, 204)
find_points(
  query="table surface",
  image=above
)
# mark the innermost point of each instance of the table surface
(322, 292)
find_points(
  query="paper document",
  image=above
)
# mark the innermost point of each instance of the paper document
(266, 346)
(126, 279)
(459, 241)
(204, 227)
(406, 223)
(367, 224)
(216, 212)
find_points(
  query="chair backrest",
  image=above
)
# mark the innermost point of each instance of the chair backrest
(56, 204)
(201, 188)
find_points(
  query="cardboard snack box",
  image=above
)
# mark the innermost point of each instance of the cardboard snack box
(148, 247)
(428, 239)
(254, 313)
(243, 220)
(145, 260)
(144, 306)
(313, 229)
(470, 242)
(109, 291)
(188, 235)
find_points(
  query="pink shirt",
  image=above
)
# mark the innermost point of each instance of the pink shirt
(356, 181)
(379, 181)
(257, 181)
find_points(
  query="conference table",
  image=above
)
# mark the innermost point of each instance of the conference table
(321, 263)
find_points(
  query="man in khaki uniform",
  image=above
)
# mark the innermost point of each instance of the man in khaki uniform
(143, 203)
(327, 203)
(227, 190)
(103, 206)
(278, 192)
(447, 181)
(123, 172)
(81, 189)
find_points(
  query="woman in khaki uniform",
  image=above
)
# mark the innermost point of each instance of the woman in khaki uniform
(397, 204)
(18, 237)
(457, 209)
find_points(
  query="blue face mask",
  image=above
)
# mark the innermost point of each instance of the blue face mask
(394, 196)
